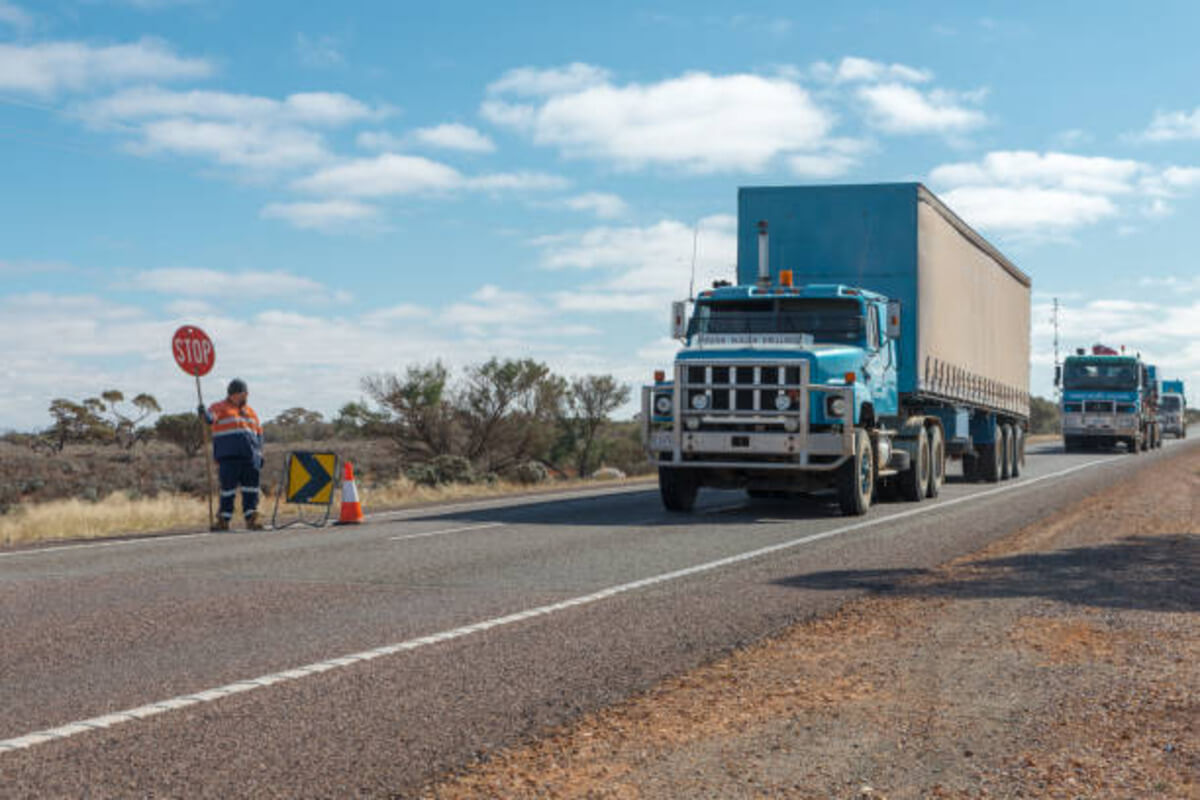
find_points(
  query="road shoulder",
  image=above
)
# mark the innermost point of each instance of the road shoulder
(1060, 661)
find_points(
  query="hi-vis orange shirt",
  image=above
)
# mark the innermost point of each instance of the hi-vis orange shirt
(236, 432)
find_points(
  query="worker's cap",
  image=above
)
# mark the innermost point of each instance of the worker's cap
(236, 386)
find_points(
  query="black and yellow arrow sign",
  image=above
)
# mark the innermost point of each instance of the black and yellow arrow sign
(310, 478)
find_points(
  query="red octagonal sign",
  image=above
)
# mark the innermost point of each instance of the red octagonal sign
(193, 350)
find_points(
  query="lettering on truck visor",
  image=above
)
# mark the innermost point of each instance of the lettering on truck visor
(753, 339)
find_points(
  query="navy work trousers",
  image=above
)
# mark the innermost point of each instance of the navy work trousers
(235, 474)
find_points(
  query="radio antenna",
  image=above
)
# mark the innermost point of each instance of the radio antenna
(695, 245)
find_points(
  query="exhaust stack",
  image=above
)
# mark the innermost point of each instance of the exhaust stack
(764, 269)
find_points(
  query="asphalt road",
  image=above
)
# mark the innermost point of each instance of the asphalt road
(367, 660)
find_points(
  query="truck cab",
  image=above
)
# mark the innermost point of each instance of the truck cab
(1107, 399)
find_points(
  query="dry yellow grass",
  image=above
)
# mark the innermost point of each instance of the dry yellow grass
(117, 514)
(80, 519)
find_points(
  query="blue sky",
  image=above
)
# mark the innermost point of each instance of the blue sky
(335, 190)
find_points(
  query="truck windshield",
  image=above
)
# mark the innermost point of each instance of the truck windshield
(1107, 374)
(1170, 403)
(829, 321)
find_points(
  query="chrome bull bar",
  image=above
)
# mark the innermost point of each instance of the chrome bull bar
(774, 449)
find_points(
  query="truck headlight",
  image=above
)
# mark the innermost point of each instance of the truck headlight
(836, 406)
(662, 404)
(782, 402)
(700, 401)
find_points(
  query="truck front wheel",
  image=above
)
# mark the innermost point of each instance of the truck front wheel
(914, 481)
(678, 488)
(856, 478)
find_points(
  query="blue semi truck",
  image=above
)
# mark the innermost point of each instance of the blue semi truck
(871, 335)
(1108, 398)
(1172, 409)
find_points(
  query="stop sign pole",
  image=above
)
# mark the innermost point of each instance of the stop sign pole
(194, 353)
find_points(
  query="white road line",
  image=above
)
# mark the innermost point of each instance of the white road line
(209, 695)
(427, 534)
(115, 543)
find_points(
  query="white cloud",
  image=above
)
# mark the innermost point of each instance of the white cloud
(387, 174)
(307, 108)
(534, 82)
(900, 109)
(319, 51)
(393, 174)
(698, 122)
(14, 16)
(326, 215)
(1094, 174)
(1172, 126)
(234, 144)
(642, 268)
(454, 136)
(1053, 193)
(194, 282)
(852, 69)
(603, 204)
(49, 67)
(1027, 208)
(516, 181)
(231, 129)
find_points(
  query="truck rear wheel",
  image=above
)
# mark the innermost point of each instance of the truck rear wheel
(914, 481)
(937, 461)
(855, 479)
(991, 458)
(1006, 458)
(1018, 453)
(678, 488)
(970, 466)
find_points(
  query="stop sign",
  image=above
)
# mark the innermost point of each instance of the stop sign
(193, 350)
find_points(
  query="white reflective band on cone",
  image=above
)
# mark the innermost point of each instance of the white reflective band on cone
(349, 492)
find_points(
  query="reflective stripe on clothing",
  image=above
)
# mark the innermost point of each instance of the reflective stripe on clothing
(236, 432)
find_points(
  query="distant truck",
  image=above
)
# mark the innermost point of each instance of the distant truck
(1108, 398)
(1172, 409)
(871, 336)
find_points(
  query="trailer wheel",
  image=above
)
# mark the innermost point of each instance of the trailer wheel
(678, 488)
(1017, 462)
(937, 461)
(991, 458)
(856, 478)
(1006, 459)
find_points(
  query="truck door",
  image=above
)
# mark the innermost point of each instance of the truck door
(880, 362)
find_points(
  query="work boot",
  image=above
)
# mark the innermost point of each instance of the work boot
(253, 523)
(221, 524)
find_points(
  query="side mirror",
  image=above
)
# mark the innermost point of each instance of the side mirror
(893, 319)
(1057, 375)
(679, 319)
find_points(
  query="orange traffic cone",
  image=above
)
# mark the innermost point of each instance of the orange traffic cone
(352, 513)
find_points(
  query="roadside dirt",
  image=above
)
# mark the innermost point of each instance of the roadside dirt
(1063, 661)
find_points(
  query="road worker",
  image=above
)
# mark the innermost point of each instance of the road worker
(238, 449)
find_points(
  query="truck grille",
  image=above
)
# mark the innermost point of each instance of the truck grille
(742, 388)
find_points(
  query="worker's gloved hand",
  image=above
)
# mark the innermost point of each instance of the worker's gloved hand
(200, 411)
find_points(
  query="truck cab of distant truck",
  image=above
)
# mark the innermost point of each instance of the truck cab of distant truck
(1172, 409)
(1108, 398)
